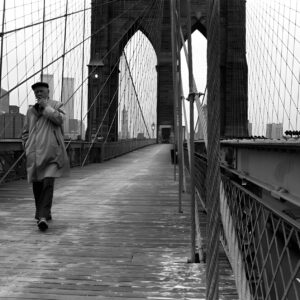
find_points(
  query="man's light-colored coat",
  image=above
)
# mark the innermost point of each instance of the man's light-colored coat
(44, 143)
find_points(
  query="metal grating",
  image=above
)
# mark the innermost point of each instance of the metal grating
(270, 245)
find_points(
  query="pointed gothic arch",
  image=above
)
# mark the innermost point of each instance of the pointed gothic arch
(137, 90)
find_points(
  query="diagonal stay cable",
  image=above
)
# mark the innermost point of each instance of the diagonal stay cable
(81, 85)
(11, 167)
(106, 54)
(70, 50)
(136, 94)
(51, 19)
(99, 127)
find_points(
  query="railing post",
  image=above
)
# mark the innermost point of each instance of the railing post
(179, 101)
(191, 99)
(176, 104)
(174, 67)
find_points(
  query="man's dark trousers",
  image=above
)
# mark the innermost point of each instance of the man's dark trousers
(43, 195)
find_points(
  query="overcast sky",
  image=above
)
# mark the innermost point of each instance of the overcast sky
(273, 54)
(273, 57)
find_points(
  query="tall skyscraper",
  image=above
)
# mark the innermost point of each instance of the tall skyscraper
(4, 102)
(249, 128)
(68, 101)
(274, 131)
(124, 128)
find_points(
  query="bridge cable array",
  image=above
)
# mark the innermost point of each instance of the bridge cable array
(273, 55)
(59, 24)
(136, 53)
(213, 242)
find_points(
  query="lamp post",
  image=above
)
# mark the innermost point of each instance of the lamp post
(95, 69)
(153, 127)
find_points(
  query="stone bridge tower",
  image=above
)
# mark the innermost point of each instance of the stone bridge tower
(109, 38)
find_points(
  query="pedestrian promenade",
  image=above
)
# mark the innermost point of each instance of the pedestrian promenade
(116, 234)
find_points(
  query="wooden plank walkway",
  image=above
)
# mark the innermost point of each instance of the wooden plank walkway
(115, 234)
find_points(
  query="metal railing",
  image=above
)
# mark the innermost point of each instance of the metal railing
(268, 239)
(13, 165)
(269, 242)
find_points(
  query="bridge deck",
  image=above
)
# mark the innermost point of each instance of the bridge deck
(116, 234)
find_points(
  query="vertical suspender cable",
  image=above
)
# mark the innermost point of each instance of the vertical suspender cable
(175, 95)
(82, 71)
(179, 101)
(43, 40)
(185, 120)
(64, 50)
(213, 176)
(2, 43)
(180, 137)
(174, 66)
(191, 99)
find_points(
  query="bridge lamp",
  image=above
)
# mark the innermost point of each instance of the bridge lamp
(95, 66)
(153, 127)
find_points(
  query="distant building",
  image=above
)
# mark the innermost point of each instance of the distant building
(11, 124)
(140, 136)
(274, 131)
(68, 101)
(14, 109)
(74, 126)
(199, 131)
(68, 97)
(249, 128)
(4, 102)
(49, 78)
(199, 135)
(124, 126)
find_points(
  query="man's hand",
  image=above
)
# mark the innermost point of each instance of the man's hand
(37, 107)
(42, 102)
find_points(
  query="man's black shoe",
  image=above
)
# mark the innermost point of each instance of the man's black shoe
(48, 218)
(42, 224)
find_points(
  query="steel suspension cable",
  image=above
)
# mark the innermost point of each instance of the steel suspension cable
(278, 64)
(137, 98)
(49, 64)
(113, 47)
(117, 43)
(74, 47)
(89, 74)
(53, 19)
(107, 108)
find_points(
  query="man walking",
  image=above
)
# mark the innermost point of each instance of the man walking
(46, 156)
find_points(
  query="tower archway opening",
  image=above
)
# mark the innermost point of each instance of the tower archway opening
(137, 90)
(199, 49)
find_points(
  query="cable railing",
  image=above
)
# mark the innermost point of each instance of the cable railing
(13, 164)
(268, 238)
(269, 242)
(60, 57)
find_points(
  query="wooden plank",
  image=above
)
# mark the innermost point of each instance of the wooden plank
(116, 234)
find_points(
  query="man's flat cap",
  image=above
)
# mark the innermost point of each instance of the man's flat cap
(40, 84)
